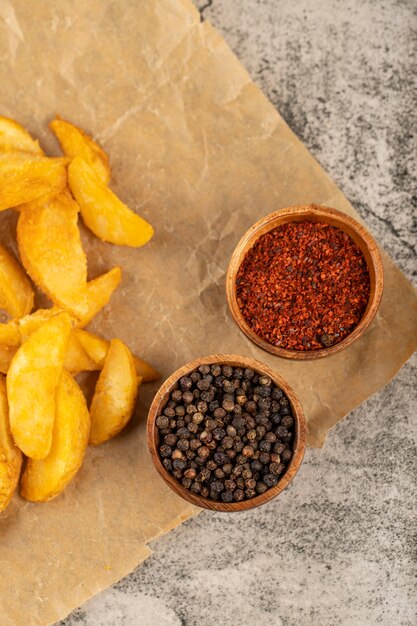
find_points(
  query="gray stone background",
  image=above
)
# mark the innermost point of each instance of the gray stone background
(338, 548)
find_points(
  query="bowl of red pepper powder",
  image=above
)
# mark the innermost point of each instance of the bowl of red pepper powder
(305, 282)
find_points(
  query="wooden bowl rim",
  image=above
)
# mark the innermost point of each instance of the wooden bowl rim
(161, 398)
(294, 213)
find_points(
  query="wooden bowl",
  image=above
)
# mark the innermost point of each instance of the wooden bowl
(162, 398)
(313, 213)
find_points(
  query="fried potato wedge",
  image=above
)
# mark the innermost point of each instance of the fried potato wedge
(50, 248)
(102, 211)
(31, 382)
(13, 137)
(146, 372)
(25, 177)
(10, 455)
(97, 348)
(99, 291)
(16, 293)
(28, 324)
(76, 143)
(115, 394)
(45, 479)
(76, 358)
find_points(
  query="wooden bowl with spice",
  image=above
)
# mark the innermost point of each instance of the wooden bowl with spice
(305, 282)
(226, 433)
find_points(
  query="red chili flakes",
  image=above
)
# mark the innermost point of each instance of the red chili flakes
(303, 286)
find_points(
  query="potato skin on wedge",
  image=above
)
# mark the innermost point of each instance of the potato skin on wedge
(13, 137)
(16, 293)
(50, 248)
(102, 211)
(115, 394)
(25, 177)
(31, 383)
(75, 142)
(10, 455)
(45, 479)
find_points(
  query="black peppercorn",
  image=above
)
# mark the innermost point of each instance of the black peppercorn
(227, 496)
(202, 406)
(195, 376)
(187, 397)
(281, 431)
(176, 395)
(217, 485)
(170, 439)
(270, 480)
(227, 370)
(203, 385)
(216, 370)
(180, 464)
(162, 421)
(167, 463)
(264, 446)
(186, 382)
(261, 487)
(220, 458)
(165, 451)
(203, 475)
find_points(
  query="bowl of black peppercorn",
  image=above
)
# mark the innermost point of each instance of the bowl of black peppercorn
(226, 433)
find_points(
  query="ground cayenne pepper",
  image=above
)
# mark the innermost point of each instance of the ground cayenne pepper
(303, 286)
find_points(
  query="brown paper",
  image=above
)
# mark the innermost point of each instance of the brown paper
(197, 150)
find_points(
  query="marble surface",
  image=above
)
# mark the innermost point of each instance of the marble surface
(339, 546)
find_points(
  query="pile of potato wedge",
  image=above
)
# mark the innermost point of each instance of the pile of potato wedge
(45, 424)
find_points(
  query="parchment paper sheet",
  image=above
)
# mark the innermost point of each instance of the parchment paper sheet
(199, 151)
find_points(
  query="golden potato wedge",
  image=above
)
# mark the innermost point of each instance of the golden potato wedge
(50, 248)
(99, 291)
(13, 137)
(145, 371)
(10, 455)
(75, 142)
(31, 382)
(16, 293)
(25, 177)
(115, 394)
(102, 211)
(29, 323)
(76, 358)
(97, 348)
(45, 479)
